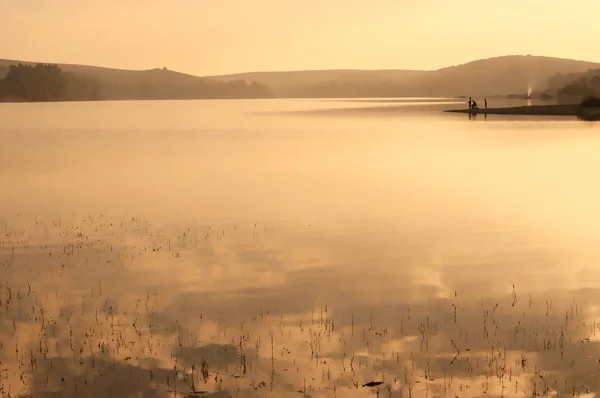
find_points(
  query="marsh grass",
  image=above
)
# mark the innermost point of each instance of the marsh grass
(104, 307)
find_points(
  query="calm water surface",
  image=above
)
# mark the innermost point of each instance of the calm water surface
(296, 248)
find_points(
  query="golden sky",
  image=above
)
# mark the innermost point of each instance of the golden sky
(224, 36)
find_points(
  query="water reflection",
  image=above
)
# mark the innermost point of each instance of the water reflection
(473, 116)
(101, 306)
(282, 255)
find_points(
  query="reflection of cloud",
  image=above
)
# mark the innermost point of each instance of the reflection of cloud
(103, 378)
(254, 311)
(216, 354)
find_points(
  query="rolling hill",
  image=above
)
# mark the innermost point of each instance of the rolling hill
(513, 74)
(286, 80)
(152, 83)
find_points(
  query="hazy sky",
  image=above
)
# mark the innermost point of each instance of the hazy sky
(223, 36)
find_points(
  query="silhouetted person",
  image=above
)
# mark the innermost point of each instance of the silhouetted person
(485, 102)
(470, 103)
(474, 104)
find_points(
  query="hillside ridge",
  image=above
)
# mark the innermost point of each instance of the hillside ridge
(500, 75)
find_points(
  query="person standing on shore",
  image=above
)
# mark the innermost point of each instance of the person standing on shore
(470, 103)
(485, 102)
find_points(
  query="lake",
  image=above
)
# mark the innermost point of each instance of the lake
(316, 248)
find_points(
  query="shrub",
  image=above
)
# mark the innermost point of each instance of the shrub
(590, 102)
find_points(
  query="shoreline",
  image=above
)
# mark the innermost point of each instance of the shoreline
(574, 110)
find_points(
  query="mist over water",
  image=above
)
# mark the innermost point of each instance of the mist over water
(296, 247)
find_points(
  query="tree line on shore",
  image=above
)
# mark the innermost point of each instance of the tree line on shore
(574, 87)
(582, 87)
(48, 82)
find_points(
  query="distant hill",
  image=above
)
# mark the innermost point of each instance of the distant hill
(122, 76)
(502, 75)
(287, 80)
(512, 74)
(111, 84)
